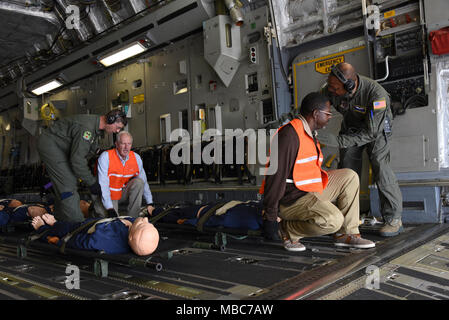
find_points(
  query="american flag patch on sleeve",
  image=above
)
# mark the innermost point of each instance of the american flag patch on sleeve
(380, 104)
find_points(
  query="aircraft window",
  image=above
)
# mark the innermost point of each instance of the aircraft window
(137, 84)
(180, 86)
(252, 85)
(198, 81)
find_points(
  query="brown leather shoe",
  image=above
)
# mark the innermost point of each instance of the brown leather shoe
(353, 241)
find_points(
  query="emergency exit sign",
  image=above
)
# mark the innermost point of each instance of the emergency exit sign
(139, 98)
(324, 66)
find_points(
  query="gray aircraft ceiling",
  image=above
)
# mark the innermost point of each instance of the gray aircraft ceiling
(35, 39)
(33, 33)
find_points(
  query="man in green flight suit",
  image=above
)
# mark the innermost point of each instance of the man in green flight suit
(65, 147)
(367, 116)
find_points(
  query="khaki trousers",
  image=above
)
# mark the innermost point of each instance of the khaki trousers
(133, 192)
(315, 214)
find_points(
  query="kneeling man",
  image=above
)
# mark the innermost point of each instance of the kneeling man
(122, 177)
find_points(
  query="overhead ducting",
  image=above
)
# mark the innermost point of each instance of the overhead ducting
(39, 47)
(161, 23)
(98, 19)
(53, 44)
(138, 5)
(113, 5)
(23, 68)
(47, 5)
(13, 72)
(83, 31)
(30, 11)
(234, 12)
(117, 10)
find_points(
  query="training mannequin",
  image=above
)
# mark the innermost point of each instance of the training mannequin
(113, 235)
(15, 211)
(10, 203)
(234, 214)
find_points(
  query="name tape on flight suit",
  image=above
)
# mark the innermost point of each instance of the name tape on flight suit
(360, 109)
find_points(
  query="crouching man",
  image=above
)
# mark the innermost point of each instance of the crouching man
(302, 193)
(122, 177)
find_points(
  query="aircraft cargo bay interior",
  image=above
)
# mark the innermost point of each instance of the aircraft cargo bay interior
(213, 150)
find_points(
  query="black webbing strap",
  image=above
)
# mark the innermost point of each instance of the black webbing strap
(36, 236)
(27, 205)
(207, 215)
(68, 236)
(254, 232)
(153, 220)
(33, 204)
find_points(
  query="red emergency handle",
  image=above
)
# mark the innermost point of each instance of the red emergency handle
(439, 40)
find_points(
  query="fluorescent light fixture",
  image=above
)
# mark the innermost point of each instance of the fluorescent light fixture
(122, 54)
(47, 87)
(180, 86)
(182, 90)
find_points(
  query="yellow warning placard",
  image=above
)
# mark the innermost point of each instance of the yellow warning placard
(389, 14)
(139, 98)
(324, 66)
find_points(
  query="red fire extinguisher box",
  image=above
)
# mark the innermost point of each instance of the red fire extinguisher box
(439, 39)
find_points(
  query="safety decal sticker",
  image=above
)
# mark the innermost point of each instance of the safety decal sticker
(380, 104)
(324, 66)
(87, 135)
(359, 109)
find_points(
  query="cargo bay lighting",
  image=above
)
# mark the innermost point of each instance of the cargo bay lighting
(53, 84)
(122, 54)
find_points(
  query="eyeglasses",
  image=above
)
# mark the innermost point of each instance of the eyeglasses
(325, 112)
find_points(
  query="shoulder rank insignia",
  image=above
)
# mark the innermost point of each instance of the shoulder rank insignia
(359, 109)
(379, 104)
(87, 135)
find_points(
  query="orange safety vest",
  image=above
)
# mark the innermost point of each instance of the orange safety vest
(118, 174)
(307, 173)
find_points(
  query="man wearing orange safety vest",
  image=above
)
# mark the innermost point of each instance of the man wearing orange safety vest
(302, 194)
(122, 177)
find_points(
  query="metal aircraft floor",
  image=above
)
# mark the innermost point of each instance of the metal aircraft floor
(419, 274)
(413, 265)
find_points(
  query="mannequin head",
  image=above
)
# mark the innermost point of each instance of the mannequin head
(143, 237)
(14, 203)
(36, 211)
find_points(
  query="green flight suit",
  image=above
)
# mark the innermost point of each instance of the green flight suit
(366, 124)
(65, 148)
